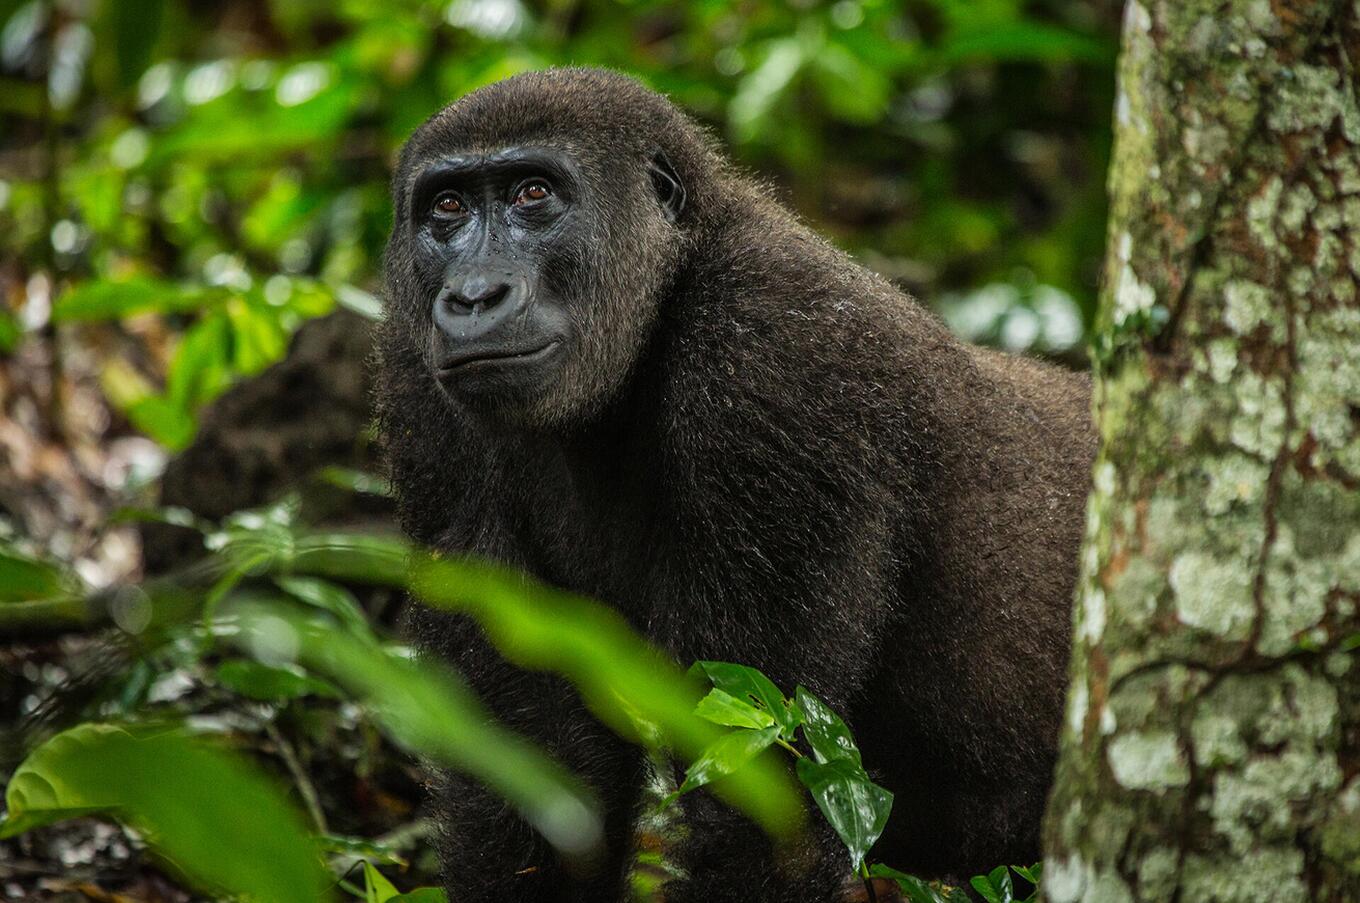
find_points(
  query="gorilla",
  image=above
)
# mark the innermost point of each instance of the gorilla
(614, 362)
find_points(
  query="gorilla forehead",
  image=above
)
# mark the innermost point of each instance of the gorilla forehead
(583, 110)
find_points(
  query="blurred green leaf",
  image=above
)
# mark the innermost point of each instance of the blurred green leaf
(201, 367)
(621, 678)
(854, 805)
(360, 848)
(137, 25)
(212, 817)
(1024, 40)
(269, 683)
(108, 299)
(162, 420)
(425, 709)
(328, 597)
(10, 331)
(24, 578)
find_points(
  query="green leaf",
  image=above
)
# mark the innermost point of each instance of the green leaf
(913, 888)
(854, 805)
(1024, 41)
(1032, 874)
(995, 887)
(622, 679)
(722, 708)
(23, 578)
(201, 367)
(377, 889)
(826, 733)
(760, 90)
(749, 684)
(328, 597)
(10, 331)
(268, 683)
(360, 848)
(258, 339)
(724, 757)
(137, 25)
(104, 299)
(421, 895)
(162, 420)
(425, 709)
(215, 819)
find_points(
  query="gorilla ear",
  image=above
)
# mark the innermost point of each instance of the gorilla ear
(670, 191)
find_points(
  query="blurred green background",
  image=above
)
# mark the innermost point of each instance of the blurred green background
(184, 184)
(225, 164)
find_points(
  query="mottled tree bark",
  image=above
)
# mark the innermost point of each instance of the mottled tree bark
(1211, 750)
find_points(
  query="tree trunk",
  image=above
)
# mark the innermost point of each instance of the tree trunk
(1211, 750)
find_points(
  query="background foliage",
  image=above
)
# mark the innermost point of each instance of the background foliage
(184, 183)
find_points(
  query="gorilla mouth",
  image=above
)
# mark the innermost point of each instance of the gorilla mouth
(474, 358)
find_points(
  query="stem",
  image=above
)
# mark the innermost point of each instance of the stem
(789, 746)
(868, 882)
(304, 784)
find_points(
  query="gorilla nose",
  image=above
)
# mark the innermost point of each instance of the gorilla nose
(475, 293)
(475, 307)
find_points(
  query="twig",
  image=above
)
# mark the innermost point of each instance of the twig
(304, 784)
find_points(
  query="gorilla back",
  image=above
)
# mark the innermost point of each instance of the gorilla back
(614, 362)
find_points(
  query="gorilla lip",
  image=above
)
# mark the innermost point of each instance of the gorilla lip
(498, 357)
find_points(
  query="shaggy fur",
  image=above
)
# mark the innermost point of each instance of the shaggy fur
(768, 455)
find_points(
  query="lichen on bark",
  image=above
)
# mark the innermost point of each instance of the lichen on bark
(1212, 746)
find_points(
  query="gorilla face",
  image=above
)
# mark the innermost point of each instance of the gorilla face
(540, 272)
(487, 229)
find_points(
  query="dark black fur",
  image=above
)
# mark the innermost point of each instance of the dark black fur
(768, 455)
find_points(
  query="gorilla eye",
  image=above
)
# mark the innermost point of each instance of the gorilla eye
(532, 192)
(448, 204)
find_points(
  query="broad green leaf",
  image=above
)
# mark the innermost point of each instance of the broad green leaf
(995, 887)
(425, 709)
(723, 708)
(854, 805)
(749, 684)
(724, 757)
(212, 817)
(913, 888)
(269, 683)
(377, 889)
(826, 733)
(1033, 874)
